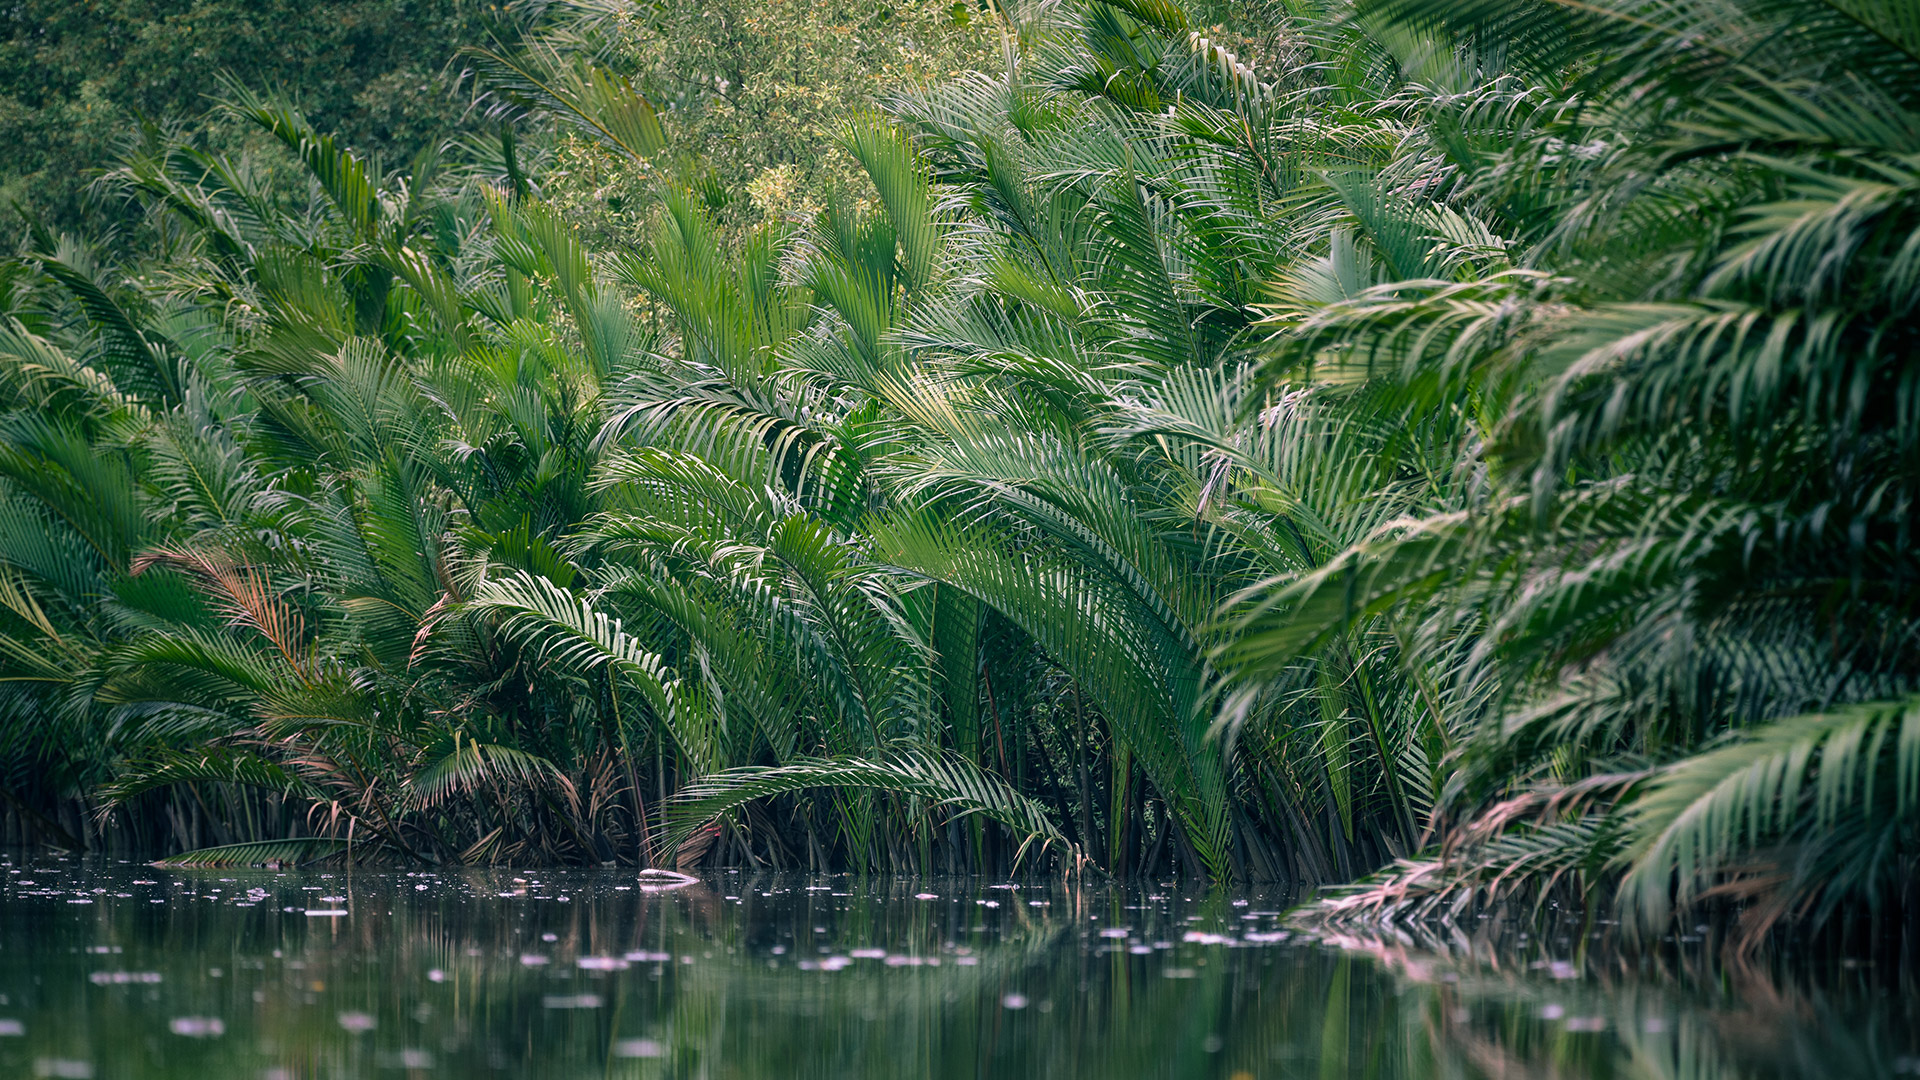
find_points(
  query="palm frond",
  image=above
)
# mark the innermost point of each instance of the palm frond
(944, 781)
(304, 850)
(1798, 780)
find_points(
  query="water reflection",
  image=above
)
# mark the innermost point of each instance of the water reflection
(125, 971)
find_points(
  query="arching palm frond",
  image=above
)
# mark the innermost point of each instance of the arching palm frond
(291, 852)
(1798, 804)
(944, 782)
(573, 90)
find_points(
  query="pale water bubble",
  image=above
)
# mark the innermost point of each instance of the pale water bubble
(638, 1048)
(1014, 1001)
(63, 1069)
(12, 1028)
(356, 1021)
(571, 1001)
(197, 1027)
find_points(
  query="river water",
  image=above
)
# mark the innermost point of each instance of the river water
(114, 970)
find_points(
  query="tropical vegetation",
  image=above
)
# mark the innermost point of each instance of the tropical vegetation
(1470, 444)
(77, 79)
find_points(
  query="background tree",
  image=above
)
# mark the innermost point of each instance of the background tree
(371, 72)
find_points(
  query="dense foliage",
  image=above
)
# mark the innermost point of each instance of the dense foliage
(1477, 440)
(372, 71)
(756, 92)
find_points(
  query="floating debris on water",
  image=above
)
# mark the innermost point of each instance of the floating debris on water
(197, 1027)
(639, 1048)
(900, 954)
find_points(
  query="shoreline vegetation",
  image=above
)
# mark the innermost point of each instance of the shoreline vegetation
(1459, 451)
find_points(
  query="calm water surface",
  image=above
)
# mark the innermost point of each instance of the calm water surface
(129, 971)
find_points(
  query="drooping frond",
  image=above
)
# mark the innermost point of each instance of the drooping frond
(298, 851)
(946, 782)
(468, 766)
(1807, 781)
(576, 92)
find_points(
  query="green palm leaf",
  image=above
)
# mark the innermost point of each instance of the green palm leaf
(944, 781)
(1802, 779)
(291, 852)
